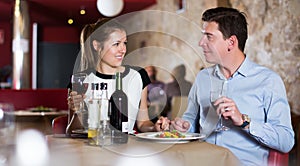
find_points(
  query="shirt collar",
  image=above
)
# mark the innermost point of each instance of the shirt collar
(243, 70)
(218, 73)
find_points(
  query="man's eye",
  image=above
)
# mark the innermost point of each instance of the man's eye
(209, 37)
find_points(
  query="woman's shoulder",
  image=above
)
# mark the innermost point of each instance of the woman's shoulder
(142, 72)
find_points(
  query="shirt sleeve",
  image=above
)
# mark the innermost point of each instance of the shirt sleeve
(191, 114)
(277, 132)
(144, 75)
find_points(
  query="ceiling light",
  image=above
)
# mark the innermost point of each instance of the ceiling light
(70, 21)
(82, 11)
(110, 8)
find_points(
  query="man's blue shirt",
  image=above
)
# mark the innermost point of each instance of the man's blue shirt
(257, 92)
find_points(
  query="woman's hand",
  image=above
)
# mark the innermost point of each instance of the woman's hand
(162, 124)
(74, 100)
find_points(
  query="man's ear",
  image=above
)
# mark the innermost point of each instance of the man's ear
(232, 42)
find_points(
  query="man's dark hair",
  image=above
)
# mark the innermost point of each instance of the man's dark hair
(230, 21)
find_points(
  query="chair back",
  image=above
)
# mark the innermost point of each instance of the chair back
(178, 106)
(277, 158)
(59, 124)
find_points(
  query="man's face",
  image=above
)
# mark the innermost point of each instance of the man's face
(213, 44)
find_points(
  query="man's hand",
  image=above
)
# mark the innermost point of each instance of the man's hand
(180, 125)
(229, 110)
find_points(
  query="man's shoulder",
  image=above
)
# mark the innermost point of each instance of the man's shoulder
(263, 70)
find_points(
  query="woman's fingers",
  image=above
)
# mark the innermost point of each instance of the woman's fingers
(165, 123)
(74, 100)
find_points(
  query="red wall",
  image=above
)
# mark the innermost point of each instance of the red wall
(27, 98)
(64, 34)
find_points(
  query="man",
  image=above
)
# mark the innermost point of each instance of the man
(254, 107)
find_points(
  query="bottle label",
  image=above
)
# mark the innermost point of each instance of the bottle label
(124, 127)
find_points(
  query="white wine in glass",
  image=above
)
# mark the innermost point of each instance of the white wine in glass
(214, 95)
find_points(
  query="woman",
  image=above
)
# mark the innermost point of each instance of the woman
(106, 48)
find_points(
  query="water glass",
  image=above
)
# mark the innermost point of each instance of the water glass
(214, 95)
(104, 134)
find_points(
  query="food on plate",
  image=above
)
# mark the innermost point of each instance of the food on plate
(170, 134)
(41, 109)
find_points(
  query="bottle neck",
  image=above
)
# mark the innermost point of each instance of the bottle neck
(118, 81)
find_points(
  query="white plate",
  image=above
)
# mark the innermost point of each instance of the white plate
(188, 137)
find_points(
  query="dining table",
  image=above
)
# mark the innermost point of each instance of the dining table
(38, 120)
(137, 151)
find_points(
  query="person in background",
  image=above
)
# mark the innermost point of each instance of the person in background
(255, 107)
(104, 49)
(178, 87)
(156, 94)
(156, 87)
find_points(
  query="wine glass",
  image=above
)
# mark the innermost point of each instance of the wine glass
(214, 95)
(79, 86)
(7, 132)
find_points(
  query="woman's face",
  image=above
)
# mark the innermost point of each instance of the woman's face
(113, 50)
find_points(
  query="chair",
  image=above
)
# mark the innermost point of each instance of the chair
(277, 158)
(178, 106)
(295, 152)
(59, 124)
